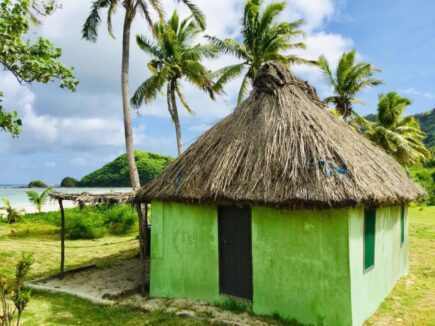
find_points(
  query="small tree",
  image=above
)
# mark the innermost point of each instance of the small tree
(13, 293)
(38, 199)
(12, 214)
(349, 79)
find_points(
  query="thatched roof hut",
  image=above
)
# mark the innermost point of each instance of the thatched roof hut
(285, 206)
(282, 148)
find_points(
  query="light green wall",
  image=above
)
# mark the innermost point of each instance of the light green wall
(301, 264)
(184, 251)
(369, 288)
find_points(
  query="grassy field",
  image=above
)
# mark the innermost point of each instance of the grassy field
(412, 301)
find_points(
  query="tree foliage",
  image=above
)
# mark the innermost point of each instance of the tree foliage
(175, 56)
(38, 199)
(264, 39)
(27, 60)
(13, 292)
(399, 136)
(12, 214)
(349, 79)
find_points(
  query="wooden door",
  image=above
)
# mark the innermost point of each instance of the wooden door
(235, 252)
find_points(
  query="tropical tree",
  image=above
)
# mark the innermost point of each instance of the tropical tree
(174, 57)
(264, 39)
(12, 214)
(38, 199)
(400, 137)
(28, 61)
(90, 32)
(350, 78)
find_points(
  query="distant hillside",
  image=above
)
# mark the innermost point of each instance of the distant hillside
(115, 173)
(427, 124)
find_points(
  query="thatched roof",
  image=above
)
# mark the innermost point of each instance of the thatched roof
(282, 148)
(94, 199)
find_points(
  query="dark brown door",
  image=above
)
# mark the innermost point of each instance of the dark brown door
(235, 252)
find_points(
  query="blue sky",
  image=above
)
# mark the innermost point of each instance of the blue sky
(71, 134)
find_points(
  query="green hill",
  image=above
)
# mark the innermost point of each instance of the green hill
(115, 173)
(427, 124)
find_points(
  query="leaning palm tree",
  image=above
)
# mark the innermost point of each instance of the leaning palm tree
(90, 32)
(349, 79)
(174, 57)
(264, 39)
(38, 199)
(400, 137)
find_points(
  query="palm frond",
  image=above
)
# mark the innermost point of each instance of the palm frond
(90, 27)
(226, 74)
(182, 99)
(196, 12)
(243, 89)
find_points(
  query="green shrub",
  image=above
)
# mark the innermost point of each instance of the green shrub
(84, 224)
(120, 219)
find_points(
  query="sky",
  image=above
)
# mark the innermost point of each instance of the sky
(72, 134)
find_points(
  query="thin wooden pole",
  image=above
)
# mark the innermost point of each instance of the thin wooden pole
(142, 253)
(62, 239)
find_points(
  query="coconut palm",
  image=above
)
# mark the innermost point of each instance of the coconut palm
(38, 199)
(264, 39)
(401, 137)
(12, 214)
(349, 79)
(174, 57)
(90, 32)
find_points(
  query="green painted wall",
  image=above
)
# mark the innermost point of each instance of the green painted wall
(301, 264)
(184, 251)
(368, 289)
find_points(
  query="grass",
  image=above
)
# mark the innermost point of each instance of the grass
(412, 302)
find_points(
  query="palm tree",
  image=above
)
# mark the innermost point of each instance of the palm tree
(174, 57)
(264, 39)
(90, 32)
(400, 137)
(350, 78)
(12, 214)
(38, 199)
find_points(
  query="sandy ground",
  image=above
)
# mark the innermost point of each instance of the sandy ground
(49, 206)
(102, 285)
(120, 284)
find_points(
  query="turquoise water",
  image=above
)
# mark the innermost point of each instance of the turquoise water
(18, 197)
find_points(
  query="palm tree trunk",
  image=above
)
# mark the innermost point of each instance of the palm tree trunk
(128, 130)
(172, 107)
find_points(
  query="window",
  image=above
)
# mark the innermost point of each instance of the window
(402, 225)
(369, 238)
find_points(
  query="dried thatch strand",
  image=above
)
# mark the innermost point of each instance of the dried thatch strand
(282, 148)
(94, 199)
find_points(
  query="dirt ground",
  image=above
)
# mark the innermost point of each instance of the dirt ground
(120, 284)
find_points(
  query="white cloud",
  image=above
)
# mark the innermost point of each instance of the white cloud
(416, 92)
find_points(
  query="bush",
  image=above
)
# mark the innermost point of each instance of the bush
(120, 219)
(84, 224)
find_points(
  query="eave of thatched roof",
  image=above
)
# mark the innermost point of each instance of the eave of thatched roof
(282, 148)
(94, 199)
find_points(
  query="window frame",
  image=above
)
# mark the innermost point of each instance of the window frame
(403, 216)
(366, 214)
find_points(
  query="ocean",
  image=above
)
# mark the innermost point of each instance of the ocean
(18, 197)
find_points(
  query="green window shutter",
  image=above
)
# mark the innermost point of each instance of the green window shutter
(369, 238)
(402, 225)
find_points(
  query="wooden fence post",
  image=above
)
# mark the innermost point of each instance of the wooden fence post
(62, 239)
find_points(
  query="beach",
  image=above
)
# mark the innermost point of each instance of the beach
(17, 196)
